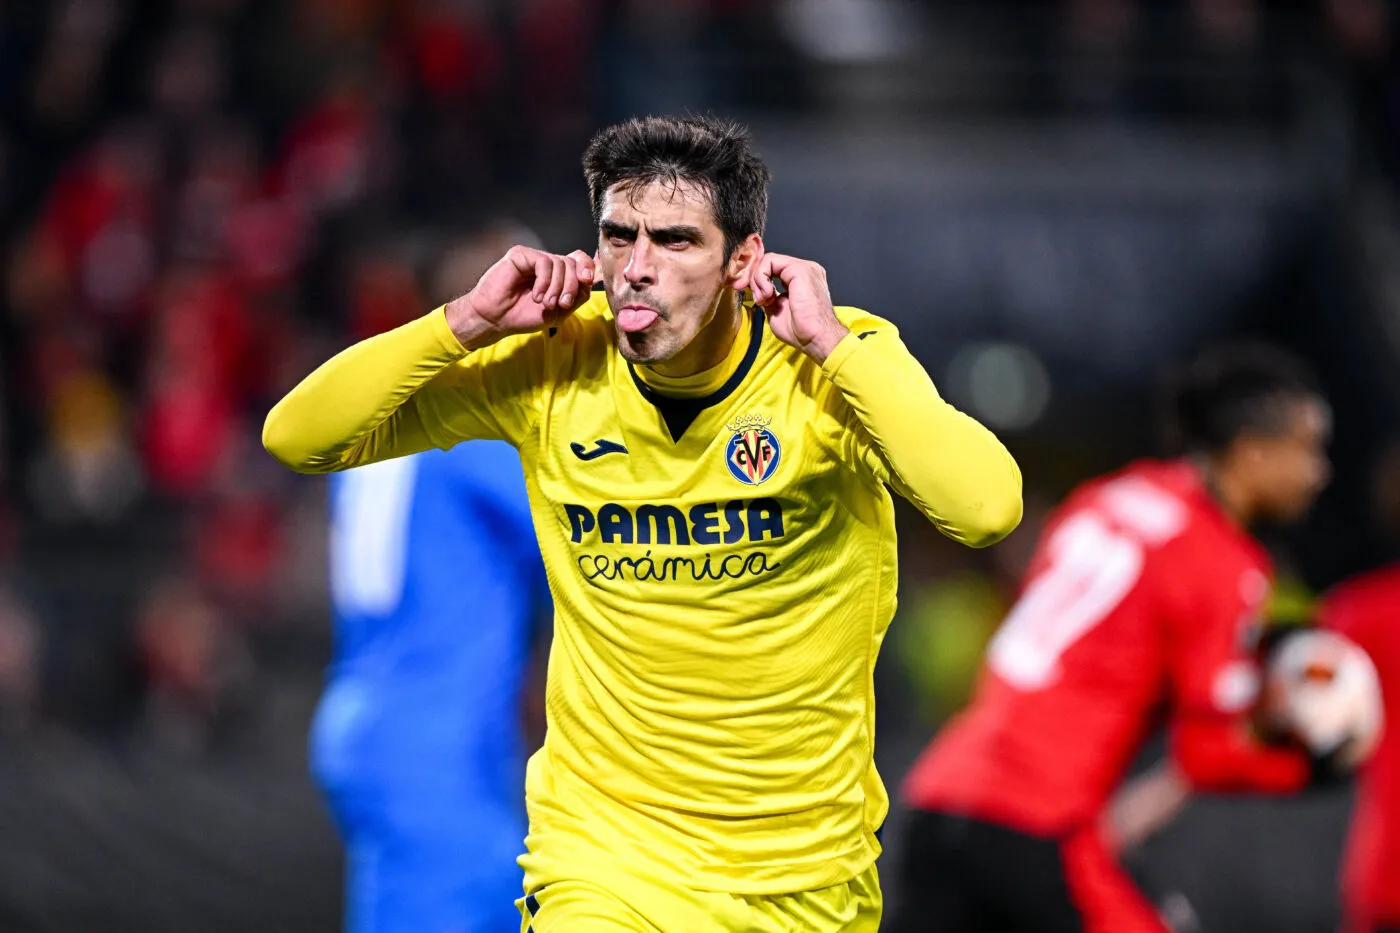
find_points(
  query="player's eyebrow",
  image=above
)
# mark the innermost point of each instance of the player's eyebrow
(611, 228)
(676, 233)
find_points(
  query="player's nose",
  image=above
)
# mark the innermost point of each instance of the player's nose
(640, 268)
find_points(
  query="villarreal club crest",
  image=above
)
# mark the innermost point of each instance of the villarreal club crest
(752, 453)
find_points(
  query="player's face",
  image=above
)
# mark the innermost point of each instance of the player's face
(1291, 467)
(662, 261)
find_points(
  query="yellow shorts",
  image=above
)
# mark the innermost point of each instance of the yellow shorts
(628, 901)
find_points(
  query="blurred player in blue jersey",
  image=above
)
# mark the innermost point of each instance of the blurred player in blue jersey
(418, 744)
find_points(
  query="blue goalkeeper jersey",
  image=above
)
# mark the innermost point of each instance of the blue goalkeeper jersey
(436, 580)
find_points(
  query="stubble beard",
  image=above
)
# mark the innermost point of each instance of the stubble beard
(648, 346)
(645, 348)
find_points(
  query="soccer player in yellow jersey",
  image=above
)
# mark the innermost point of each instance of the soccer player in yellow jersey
(708, 446)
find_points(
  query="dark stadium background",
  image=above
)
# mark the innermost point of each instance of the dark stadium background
(200, 199)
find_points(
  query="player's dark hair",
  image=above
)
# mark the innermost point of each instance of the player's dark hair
(714, 154)
(1231, 390)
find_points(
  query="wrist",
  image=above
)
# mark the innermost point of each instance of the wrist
(824, 344)
(472, 331)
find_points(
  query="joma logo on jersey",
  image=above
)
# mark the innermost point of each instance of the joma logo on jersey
(752, 453)
(706, 524)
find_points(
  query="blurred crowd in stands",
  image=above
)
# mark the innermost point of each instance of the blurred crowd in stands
(200, 200)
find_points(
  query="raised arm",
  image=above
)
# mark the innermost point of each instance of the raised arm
(947, 464)
(467, 370)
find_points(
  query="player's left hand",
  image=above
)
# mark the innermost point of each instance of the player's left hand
(804, 317)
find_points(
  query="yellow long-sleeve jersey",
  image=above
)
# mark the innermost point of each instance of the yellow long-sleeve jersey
(722, 567)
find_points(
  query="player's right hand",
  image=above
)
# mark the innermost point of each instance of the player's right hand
(525, 290)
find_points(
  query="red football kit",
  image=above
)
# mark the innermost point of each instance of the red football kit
(1367, 610)
(1140, 606)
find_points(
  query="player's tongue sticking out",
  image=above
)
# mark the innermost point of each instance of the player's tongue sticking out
(634, 319)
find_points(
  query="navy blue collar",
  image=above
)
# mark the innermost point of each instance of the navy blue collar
(680, 413)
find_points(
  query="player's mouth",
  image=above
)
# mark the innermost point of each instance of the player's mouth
(636, 318)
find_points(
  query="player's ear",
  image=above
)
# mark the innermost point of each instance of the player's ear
(743, 261)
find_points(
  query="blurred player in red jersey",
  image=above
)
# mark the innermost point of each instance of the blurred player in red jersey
(1140, 606)
(1367, 610)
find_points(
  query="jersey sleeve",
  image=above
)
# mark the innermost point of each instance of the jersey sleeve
(405, 391)
(1215, 683)
(900, 431)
